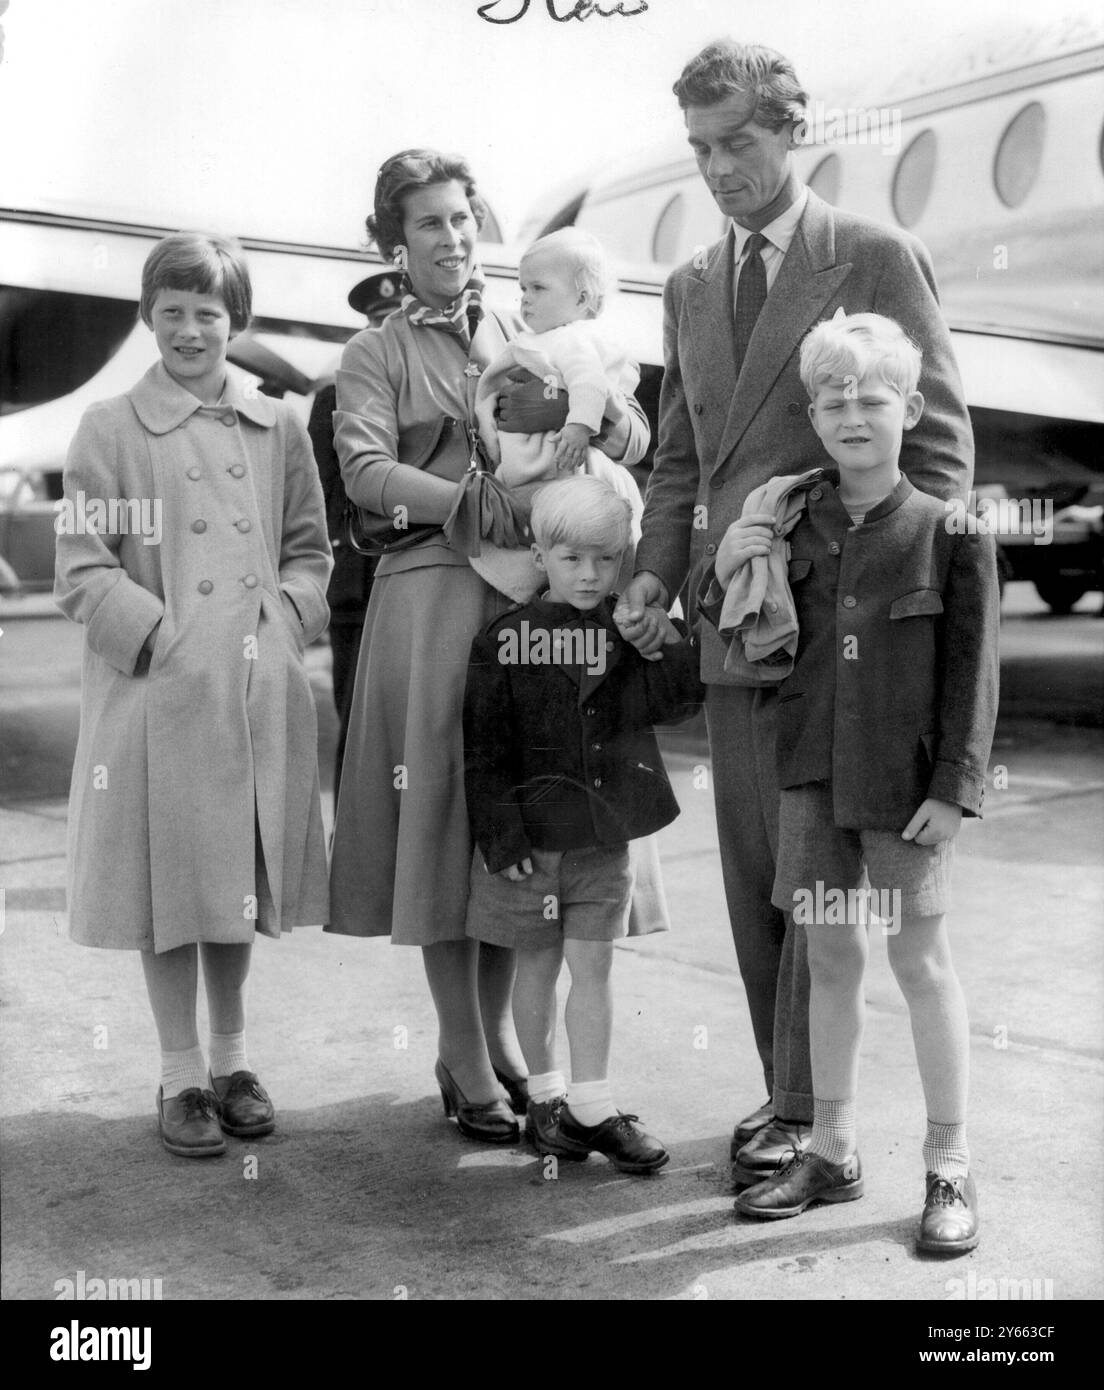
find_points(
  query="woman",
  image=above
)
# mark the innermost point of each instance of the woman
(402, 846)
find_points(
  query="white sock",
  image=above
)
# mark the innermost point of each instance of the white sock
(946, 1152)
(833, 1135)
(182, 1070)
(591, 1102)
(228, 1054)
(545, 1086)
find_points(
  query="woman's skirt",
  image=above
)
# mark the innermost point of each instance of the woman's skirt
(402, 848)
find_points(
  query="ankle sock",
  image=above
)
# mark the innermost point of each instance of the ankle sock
(182, 1070)
(227, 1051)
(545, 1086)
(946, 1152)
(833, 1134)
(591, 1102)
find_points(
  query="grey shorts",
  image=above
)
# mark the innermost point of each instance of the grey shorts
(578, 893)
(820, 866)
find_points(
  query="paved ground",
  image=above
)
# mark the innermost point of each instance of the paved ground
(366, 1192)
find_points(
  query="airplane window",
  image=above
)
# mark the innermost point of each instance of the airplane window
(912, 183)
(668, 231)
(825, 178)
(1019, 155)
(52, 342)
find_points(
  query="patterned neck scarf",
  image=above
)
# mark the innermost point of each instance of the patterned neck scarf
(459, 317)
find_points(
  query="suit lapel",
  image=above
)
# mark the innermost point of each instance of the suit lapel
(710, 313)
(807, 280)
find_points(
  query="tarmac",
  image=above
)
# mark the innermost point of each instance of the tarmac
(365, 1191)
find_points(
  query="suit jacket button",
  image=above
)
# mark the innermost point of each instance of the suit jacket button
(194, 474)
(833, 547)
(244, 524)
(237, 471)
(697, 410)
(596, 747)
(850, 601)
(250, 581)
(205, 586)
(816, 494)
(794, 407)
(597, 781)
(716, 482)
(590, 710)
(199, 527)
(711, 550)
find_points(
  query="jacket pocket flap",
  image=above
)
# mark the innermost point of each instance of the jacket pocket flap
(798, 569)
(916, 604)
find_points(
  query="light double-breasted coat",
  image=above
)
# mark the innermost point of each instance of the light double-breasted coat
(194, 811)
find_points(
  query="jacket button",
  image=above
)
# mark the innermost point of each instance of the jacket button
(229, 419)
(715, 483)
(816, 494)
(610, 644)
(711, 550)
(205, 586)
(194, 474)
(237, 471)
(850, 601)
(250, 581)
(597, 781)
(590, 710)
(596, 747)
(244, 524)
(833, 547)
(794, 407)
(199, 527)
(697, 409)
(772, 606)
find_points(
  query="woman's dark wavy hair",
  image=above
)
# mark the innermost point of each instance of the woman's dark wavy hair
(405, 173)
(727, 68)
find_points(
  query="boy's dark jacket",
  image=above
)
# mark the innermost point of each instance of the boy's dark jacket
(559, 758)
(893, 696)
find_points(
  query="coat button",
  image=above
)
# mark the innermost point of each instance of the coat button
(610, 644)
(597, 781)
(244, 524)
(816, 494)
(237, 471)
(199, 527)
(698, 409)
(194, 474)
(596, 747)
(711, 550)
(229, 419)
(833, 547)
(590, 710)
(716, 483)
(205, 586)
(850, 602)
(772, 606)
(250, 581)
(794, 407)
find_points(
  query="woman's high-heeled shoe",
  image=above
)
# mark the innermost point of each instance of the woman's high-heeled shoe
(516, 1088)
(492, 1122)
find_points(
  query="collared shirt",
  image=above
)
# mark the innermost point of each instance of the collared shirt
(778, 233)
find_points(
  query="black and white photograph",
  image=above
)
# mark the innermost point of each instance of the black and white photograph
(580, 524)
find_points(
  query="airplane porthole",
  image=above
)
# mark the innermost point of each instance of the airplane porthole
(1020, 155)
(912, 182)
(668, 231)
(825, 178)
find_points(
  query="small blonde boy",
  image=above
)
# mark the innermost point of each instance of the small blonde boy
(885, 727)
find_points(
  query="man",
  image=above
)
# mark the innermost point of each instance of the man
(733, 415)
(351, 581)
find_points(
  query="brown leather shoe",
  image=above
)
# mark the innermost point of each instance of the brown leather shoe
(771, 1146)
(189, 1124)
(949, 1221)
(749, 1127)
(245, 1109)
(805, 1179)
(542, 1129)
(627, 1145)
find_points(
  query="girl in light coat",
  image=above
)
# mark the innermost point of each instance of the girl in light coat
(192, 544)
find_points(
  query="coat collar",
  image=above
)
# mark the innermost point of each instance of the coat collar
(564, 614)
(900, 494)
(807, 280)
(162, 404)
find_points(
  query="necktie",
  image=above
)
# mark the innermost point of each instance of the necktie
(751, 294)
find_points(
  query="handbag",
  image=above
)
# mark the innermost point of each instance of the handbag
(455, 453)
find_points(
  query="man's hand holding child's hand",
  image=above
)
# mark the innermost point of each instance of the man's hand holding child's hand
(750, 536)
(571, 451)
(517, 873)
(935, 822)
